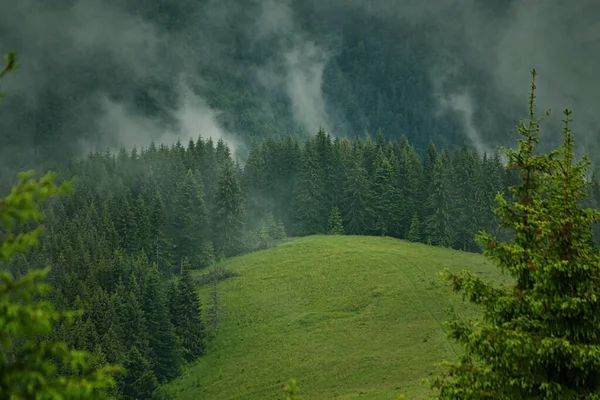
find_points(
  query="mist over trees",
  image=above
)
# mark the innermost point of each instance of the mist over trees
(231, 126)
(441, 71)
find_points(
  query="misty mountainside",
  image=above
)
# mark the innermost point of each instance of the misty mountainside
(347, 316)
(106, 74)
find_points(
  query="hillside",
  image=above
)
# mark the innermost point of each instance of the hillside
(346, 316)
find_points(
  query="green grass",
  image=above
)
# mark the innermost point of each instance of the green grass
(347, 317)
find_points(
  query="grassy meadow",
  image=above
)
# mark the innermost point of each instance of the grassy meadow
(347, 316)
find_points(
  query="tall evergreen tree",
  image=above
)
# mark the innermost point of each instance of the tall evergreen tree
(229, 215)
(309, 201)
(540, 338)
(386, 196)
(358, 212)
(414, 233)
(335, 223)
(439, 228)
(254, 185)
(189, 226)
(187, 319)
(165, 347)
(467, 195)
(140, 381)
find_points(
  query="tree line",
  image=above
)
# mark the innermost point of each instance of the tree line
(122, 246)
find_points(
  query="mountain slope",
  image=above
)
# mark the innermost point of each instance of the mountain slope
(346, 316)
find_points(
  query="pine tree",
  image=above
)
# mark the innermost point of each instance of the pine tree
(408, 184)
(189, 221)
(165, 347)
(186, 317)
(335, 222)
(26, 319)
(229, 215)
(467, 195)
(386, 196)
(125, 223)
(358, 213)
(254, 185)
(133, 322)
(439, 227)
(540, 338)
(309, 200)
(414, 233)
(140, 381)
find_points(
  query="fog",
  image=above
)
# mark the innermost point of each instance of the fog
(91, 53)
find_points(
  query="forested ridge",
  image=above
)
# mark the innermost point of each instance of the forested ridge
(120, 247)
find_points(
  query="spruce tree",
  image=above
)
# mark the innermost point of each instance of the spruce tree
(467, 194)
(229, 215)
(414, 233)
(335, 222)
(358, 213)
(165, 347)
(140, 381)
(309, 200)
(439, 227)
(254, 185)
(409, 174)
(189, 222)
(27, 319)
(386, 196)
(186, 317)
(540, 338)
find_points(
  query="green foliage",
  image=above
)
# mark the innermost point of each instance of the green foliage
(309, 194)
(229, 216)
(291, 391)
(267, 234)
(335, 223)
(30, 364)
(540, 338)
(190, 223)
(140, 381)
(357, 200)
(186, 317)
(386, 196)
(439, 226)
(10, 64)
(164, 344)
(414, 234)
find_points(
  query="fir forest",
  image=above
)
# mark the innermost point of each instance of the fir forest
(299, 199)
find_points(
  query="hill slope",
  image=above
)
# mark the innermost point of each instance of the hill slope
(346, 316)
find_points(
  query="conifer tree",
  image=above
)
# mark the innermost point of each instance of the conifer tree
(335, 222)
(254, 185)
(229, 215)
(133, 322)
(439, 228)
(386, 196)
(140, 381)
(25, 318)
(165, 347)
(189, 224)
(31, 365)
(408, 184)
(414, 233)
(467, 193)
(309, 200)
(540, 338)
(186, 317)
(358, 213)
